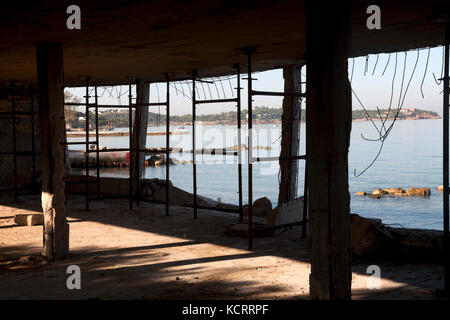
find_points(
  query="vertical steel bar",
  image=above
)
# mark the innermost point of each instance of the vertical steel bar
(97, 154)
(167, 142)
(137, 120)
(13, 107)
(305, 183)
(130, 151)
(194, 164)
(250, 155)
(33, 148)
(305, 200)
(446, 158)
(87, 145)
(238, 70)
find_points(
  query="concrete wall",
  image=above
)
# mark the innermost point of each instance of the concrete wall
(22, 100)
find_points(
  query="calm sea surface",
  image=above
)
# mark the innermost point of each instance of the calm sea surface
(411, 157)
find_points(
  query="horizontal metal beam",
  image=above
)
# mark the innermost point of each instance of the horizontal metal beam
(216, 101)
(74, 103)
(78, 142)
(134, 105)
(204, 81)
(148, 151)
(279, 94)
(264, 159)
(150, 104)
(198, 206)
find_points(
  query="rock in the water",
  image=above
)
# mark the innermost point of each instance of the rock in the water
(418, 191)
(361, 193)
(378, 192)
(29, 219)
(395, 191)
(441, 188)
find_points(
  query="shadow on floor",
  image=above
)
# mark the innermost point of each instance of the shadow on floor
(151, 280)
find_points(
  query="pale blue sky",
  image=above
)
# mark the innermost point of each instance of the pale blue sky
(373, 88)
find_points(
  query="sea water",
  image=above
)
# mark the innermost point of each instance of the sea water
(411, 157)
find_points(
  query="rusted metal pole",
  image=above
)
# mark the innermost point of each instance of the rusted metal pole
(238, 95)
(194, 164)
(305, 184)
(97, 154)
(130, 128)
(250, 154)
(137, 147)
(305, 201)
(87, 145)
(167, 142)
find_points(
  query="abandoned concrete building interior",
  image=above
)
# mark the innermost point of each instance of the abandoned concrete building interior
(145, 238)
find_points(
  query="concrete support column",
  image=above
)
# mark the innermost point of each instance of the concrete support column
(290, 139)
(53, 156)
(140, 127)
(328, 118)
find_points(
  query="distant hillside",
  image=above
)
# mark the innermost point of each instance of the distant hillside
(405, 114)
(119, 118)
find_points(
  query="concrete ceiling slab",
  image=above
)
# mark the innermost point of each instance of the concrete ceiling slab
(146, 39)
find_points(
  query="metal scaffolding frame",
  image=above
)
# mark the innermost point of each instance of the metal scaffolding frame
(134, 193)
(251, 159)
(196, 102)
(131, 150)
(135, 196)
(32, 187)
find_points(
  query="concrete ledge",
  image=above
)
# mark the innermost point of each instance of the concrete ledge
(29, 219)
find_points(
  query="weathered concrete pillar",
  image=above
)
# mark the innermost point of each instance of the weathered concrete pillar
(53, 157)
(140, 127)
(328, 116)
(290, 138)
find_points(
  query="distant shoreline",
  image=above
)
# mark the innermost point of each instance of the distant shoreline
(228, 123)
(261, 115)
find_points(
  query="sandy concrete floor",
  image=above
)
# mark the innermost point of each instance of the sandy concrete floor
(142, 254)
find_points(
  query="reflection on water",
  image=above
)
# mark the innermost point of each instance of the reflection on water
(412, 157)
